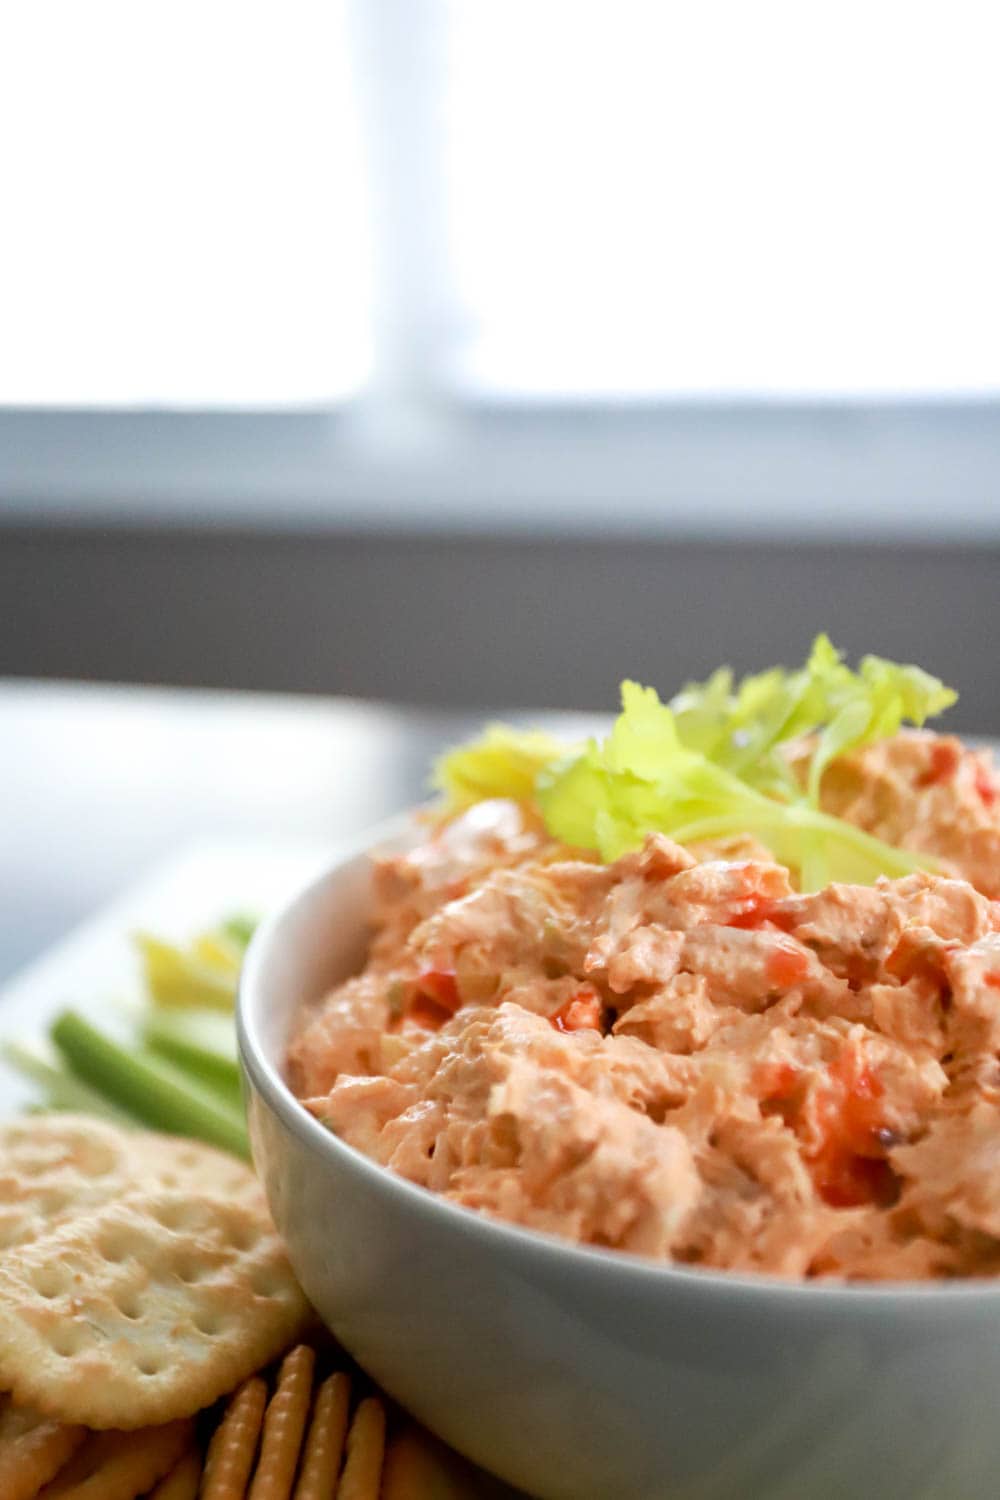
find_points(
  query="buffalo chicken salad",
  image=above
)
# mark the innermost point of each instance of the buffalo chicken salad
(721, 988)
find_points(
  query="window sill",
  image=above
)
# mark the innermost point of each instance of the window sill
(917, 470)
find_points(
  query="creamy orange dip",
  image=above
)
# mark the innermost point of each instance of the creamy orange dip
(677, 1054)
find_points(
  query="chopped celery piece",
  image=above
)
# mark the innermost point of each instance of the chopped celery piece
(239, 929)
(504, 762)
(216, 951)
(178, 977)
(202, 1042)
(63, 1090)
(148, 1086)
(204, 973)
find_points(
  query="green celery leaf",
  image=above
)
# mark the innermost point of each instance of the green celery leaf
(747, 727)
(239, 929)
(204, 973)
(641, 779)
(713, 763)
(504, 762)
(871, 705)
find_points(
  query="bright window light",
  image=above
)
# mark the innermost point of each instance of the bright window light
(724, 197)
(184, 215)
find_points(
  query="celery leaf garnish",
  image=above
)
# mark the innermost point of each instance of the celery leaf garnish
(504, 762)
(714, 763)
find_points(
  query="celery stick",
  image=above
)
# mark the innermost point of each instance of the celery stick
(160, 1094)
(239, 929)
(218, 953)
(201, 1042)
(63, 1090)
(176, 977)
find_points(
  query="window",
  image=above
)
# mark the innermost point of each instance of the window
(185, 220)
(674, 199)
(367, 247)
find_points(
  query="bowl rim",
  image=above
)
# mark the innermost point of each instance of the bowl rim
(265, 1077)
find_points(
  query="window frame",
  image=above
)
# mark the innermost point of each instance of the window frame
(909, 470)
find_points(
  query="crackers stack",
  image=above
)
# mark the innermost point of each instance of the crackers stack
(140, 1279)
(144, 1293)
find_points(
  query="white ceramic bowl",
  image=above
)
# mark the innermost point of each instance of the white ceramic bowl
(584, 1375)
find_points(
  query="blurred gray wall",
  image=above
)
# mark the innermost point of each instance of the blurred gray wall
(477, 621)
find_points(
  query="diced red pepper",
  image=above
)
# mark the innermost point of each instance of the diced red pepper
(943, 764)
(861, 1117)
(426, 1013)
(850, 1168)
(580, 1012)
(787, 966)
(775, 1080)
(433, 998)
(847, 1181)
(440, 986)
(760, 911)
(986, 787)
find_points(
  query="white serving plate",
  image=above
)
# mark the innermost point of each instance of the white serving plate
(95, 968)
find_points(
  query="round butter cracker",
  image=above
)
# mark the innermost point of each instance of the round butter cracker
(144, 1310)
(54, 1167)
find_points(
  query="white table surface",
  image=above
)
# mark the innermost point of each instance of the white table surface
(99, 785)
(95, 968)
(166, 808)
